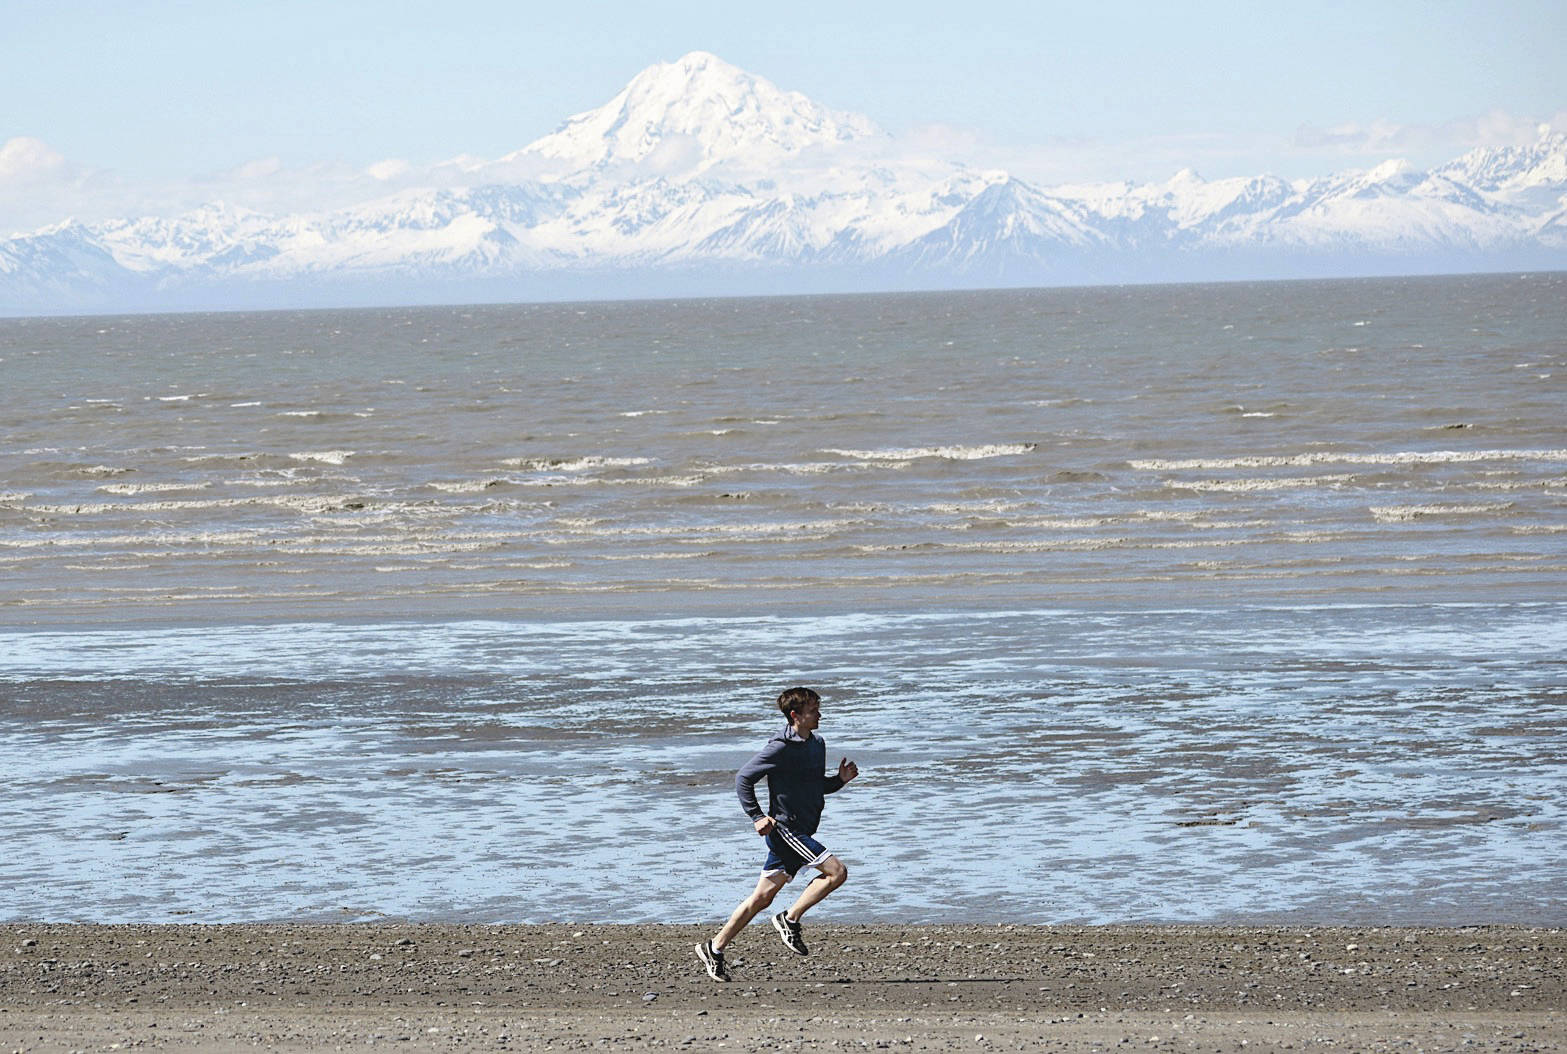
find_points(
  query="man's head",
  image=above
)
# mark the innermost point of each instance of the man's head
(802, 707)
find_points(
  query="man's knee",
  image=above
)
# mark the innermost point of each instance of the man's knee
(836, 871)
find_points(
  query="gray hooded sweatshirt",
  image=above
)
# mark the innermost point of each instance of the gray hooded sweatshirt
(797, 781)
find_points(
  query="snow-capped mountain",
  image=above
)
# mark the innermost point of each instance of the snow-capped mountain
(685, 117)
(701, 177)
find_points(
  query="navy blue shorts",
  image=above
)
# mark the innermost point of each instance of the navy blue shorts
(788, 851)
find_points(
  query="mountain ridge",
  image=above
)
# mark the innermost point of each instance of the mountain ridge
(701, 176)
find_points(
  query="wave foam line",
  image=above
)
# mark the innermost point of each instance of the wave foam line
(150, 488)
(577, 464)
(791, 468)
(1003, 548)
(468, 486)
(797, 530)
(1404, 513)
(1324, 457)
(951, 453)
(1241, 486)
(305, 503)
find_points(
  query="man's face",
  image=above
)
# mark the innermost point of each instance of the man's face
(808, 717)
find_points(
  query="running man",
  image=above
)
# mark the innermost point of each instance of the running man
(794, 763)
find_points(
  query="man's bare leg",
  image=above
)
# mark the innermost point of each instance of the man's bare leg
(834, 874)
(767, 888)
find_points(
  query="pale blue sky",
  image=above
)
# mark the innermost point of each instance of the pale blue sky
(137, 96)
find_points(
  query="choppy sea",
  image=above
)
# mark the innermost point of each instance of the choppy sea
(1190, 603)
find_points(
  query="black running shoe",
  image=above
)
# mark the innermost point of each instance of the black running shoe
(712, 961)
(790, 932)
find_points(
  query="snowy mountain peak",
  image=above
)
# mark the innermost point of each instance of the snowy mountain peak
(1542, 163)
(1396, 169)
(683, 117)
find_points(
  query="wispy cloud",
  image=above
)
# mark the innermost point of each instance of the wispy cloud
(25, 160)
(1307, 151)
(39, 186)
(1495, 128)
(393, 168)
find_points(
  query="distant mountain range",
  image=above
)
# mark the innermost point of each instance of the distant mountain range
(699, 178)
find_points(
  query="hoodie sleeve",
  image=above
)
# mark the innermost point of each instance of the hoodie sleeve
(758, 767)
(829, 783)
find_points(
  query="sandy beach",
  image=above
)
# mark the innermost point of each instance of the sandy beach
(440, 987)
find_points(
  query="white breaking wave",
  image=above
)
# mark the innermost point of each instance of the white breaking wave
(801, 468)
(468, 486)
(1243, 485)
(257, 482)
(951, 453)
(991, 507)
(149, 488)
(314, 504)
(1327, 457)
(578, 464)
(798, 530)
(658, 481)
(1005, 546)
(330, 457)
(1404, 513)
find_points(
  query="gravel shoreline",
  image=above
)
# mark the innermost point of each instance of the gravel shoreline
(561, 987)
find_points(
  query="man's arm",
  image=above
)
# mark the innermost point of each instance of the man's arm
(745, 780)
(847, 770)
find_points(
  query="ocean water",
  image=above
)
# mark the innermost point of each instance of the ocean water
(1206, 603)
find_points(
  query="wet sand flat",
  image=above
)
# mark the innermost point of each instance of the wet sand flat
(889, 987)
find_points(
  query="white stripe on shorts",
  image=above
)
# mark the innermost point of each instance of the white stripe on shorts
(800, 847)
